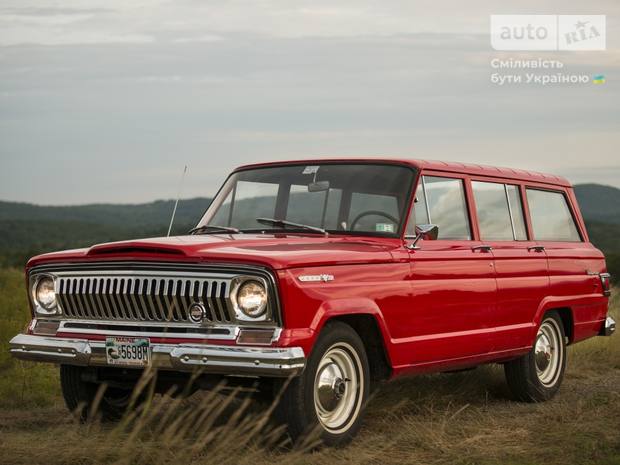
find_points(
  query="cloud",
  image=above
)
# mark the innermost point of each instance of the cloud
(124, 20)
(110, 107)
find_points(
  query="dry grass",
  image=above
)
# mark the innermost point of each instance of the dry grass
(463, 418)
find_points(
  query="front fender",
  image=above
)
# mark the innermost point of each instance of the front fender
(355, 290)
(352, 306)
(331, 309)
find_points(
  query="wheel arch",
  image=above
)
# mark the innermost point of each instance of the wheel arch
(566, 315)
(367, 327)
(366, 319)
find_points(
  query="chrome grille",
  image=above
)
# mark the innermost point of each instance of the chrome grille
(143, 298)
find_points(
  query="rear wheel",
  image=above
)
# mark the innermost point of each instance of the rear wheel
(80, 395)
(330, 396)
(537, 376)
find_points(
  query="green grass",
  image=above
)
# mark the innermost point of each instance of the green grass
(21, 384)
(457, 419)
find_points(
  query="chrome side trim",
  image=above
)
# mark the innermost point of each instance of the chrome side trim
(226, 360)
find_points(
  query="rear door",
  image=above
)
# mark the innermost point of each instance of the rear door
(520, 263)
(574, 264)
(452, 278)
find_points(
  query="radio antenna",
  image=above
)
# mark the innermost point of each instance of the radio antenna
(176, 204)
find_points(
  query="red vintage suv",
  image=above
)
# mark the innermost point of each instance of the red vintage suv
(335, 274)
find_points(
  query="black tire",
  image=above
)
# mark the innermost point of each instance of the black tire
(299, 406)
(526, 380)
(80, 395)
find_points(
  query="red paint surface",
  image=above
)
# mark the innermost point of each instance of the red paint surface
(441, 307)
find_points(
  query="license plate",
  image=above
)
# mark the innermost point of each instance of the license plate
(128, 351)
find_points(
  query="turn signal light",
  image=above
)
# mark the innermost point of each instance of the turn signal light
(256, 336)
(45, 328)
(606, 282)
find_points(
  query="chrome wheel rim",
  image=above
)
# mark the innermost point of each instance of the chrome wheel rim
(548, 352)
(338, 388)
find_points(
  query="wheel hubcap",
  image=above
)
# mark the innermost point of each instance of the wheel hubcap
(544, 352)
(548, 352)
(331, 387)
(338, 388)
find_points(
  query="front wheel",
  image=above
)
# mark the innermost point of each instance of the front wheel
(536, 376)
(330, 396)
(80, 395)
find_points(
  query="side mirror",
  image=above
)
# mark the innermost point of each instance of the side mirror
(428, 232)
(318, 186)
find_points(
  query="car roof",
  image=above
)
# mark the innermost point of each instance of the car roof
(434, 165)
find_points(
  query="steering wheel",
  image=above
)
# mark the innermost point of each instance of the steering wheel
(372, 212)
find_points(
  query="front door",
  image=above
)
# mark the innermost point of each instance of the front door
(453, 279)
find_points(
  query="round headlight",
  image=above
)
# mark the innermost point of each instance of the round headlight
(45, 293)
(252, 299)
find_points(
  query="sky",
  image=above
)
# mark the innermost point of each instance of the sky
(107, 100)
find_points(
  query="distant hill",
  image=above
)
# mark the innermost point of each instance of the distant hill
(27, 229)
(600, 207)
(599, 203)
(147, 215)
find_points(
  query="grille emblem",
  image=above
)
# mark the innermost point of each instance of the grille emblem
(197, 312)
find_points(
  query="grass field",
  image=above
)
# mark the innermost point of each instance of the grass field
(463, 418)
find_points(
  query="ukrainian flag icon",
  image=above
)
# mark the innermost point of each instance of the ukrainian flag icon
(599, 79)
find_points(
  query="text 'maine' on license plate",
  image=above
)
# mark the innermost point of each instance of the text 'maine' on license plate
(128, 351)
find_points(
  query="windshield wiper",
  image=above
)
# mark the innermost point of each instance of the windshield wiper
(284, 224)
(208, 229)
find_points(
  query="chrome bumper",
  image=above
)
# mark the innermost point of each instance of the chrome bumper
(608, 328)
(228, 360)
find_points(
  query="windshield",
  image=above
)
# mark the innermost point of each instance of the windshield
(339, 198)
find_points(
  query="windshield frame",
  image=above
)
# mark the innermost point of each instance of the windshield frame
(407, 204)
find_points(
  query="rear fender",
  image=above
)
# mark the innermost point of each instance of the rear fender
(585, 311)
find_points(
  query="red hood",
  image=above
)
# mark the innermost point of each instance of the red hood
(276, 251)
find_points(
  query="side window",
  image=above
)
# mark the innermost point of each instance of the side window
(419, 207)
(441, 201)
(500, 213)
(551, 217)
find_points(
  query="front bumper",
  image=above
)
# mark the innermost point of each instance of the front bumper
(220, 359)
(608, 328)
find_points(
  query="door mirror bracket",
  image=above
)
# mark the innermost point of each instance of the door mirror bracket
(428, 232)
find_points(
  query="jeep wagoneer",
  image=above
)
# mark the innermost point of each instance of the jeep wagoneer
(333, 275)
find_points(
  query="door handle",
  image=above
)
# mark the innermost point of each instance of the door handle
(536, 248)
(482, 248)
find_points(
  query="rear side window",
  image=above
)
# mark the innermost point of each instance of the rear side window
(441, 201)
(500, 213)
(551, 217)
